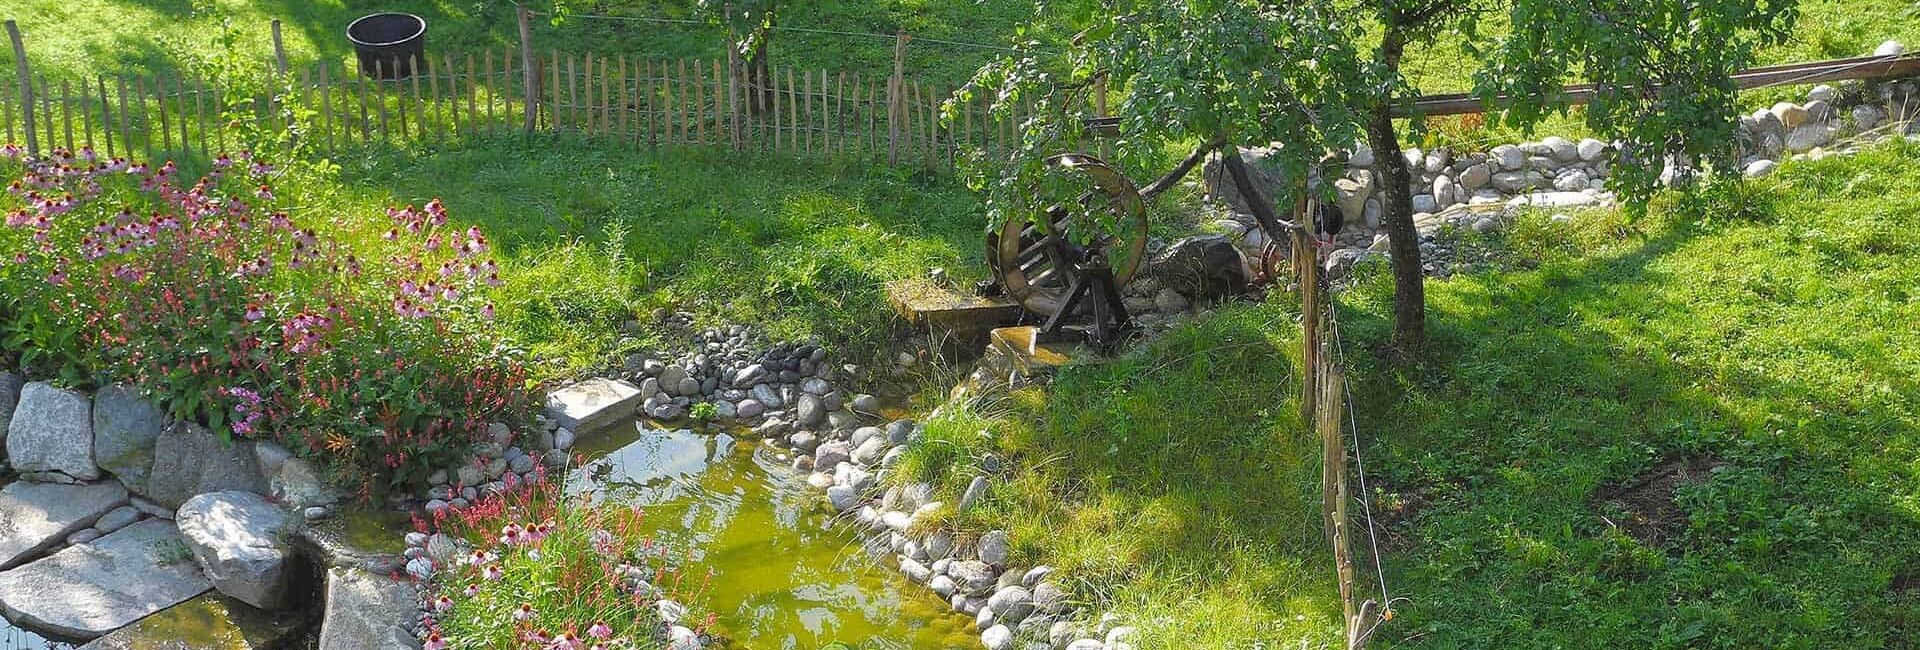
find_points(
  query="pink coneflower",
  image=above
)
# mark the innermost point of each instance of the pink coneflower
(568, 641)
(599, 630)
(435, 642)
(471, 590)
(443, 605)
(493, 572)
(254, 313)
(524, 612)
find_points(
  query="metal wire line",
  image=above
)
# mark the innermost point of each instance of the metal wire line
(1360, 466)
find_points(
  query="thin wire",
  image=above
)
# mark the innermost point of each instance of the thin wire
(1360, 464)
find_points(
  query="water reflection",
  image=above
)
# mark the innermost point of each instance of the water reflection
(782, 576)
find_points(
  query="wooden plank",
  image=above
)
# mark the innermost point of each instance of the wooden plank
(873, 116)
(699, 103)
(460, 124)
(23, 76)
(400, 102)
(489, 86)
(473, 92)
(87, 115)
(326, 104)
(806, 121)
(587, 81)
(719, 120)
(840, 109)
(380, 95)
(219, 118)
(419, 110)
(199, 115)
(366, 122)
(773, 78)
(793, 108)
(553, 93)
(649, 90)
(6, 117)
(625, 96)
(166, 129)
(573, 91)
(686, 102)
(433, 101)
(66, 111)
(607, 95)
(106, 116)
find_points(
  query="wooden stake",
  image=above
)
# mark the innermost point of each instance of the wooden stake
(166, 131)
(25, 78)
(106, 119)
(793, 109)
(895, 90)
(66, 111)
(529, 73)
(489, 86)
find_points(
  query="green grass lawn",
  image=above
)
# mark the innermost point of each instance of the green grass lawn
(79, 38)
(1174, 486)
(1763, 339)
(596, 235)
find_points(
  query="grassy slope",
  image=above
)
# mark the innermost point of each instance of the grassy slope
(1174, 486)
(1773, 337)
(83, 37)
(597, 235)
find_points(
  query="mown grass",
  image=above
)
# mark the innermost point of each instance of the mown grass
(595, 235)
(80, 38)
(1766, 332)
(1174, 486)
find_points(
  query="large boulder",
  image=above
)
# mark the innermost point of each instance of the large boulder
(91, 589)
(125, 424)
(1266, 179)
(296, 482)
(51, 435)
(1206, 267)
(35, 517)
(10, 385)
(240, 541)
(367, 612)
(189, 460)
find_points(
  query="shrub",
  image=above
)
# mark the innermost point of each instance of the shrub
(370, 356)
(554, 570)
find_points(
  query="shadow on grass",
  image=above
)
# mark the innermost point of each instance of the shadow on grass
(1715, 339)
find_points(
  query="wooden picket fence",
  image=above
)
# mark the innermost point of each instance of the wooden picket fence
(636, 101)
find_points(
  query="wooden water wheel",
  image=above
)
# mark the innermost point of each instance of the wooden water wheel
(1040, 261)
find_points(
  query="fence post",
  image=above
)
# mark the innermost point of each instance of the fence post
(528, 71)
(733, 96)
(26, 85)
(279, 49)
(895, 97)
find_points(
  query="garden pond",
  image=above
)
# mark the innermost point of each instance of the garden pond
(784, 576)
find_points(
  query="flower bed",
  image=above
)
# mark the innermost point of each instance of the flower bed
(372, 357)
(540, 568)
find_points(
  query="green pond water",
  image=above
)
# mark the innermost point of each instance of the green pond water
(784, 577)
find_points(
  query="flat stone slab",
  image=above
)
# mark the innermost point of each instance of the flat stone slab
(239, 539)
(35, 517)
(593, 404)
(367, 612)
(91, 589)
(207, 622)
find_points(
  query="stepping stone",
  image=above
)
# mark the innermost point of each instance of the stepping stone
(86, 591)
(207, 622)
(35, 517)
(367, 612)
(239, 540)
(593, 404)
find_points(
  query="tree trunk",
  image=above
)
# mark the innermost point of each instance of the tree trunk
(759, 73)
(1409, 289)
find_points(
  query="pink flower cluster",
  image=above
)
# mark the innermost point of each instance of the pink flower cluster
(415, 297)
(246, 409)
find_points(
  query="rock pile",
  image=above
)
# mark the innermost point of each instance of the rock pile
(1012, 606)
(123, 512)
(1480, 190)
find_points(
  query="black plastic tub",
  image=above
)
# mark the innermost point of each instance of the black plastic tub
(387, 44)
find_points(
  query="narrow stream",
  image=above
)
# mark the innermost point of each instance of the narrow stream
(784, 577)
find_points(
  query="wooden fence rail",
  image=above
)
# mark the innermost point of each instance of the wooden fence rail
(632, 101)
